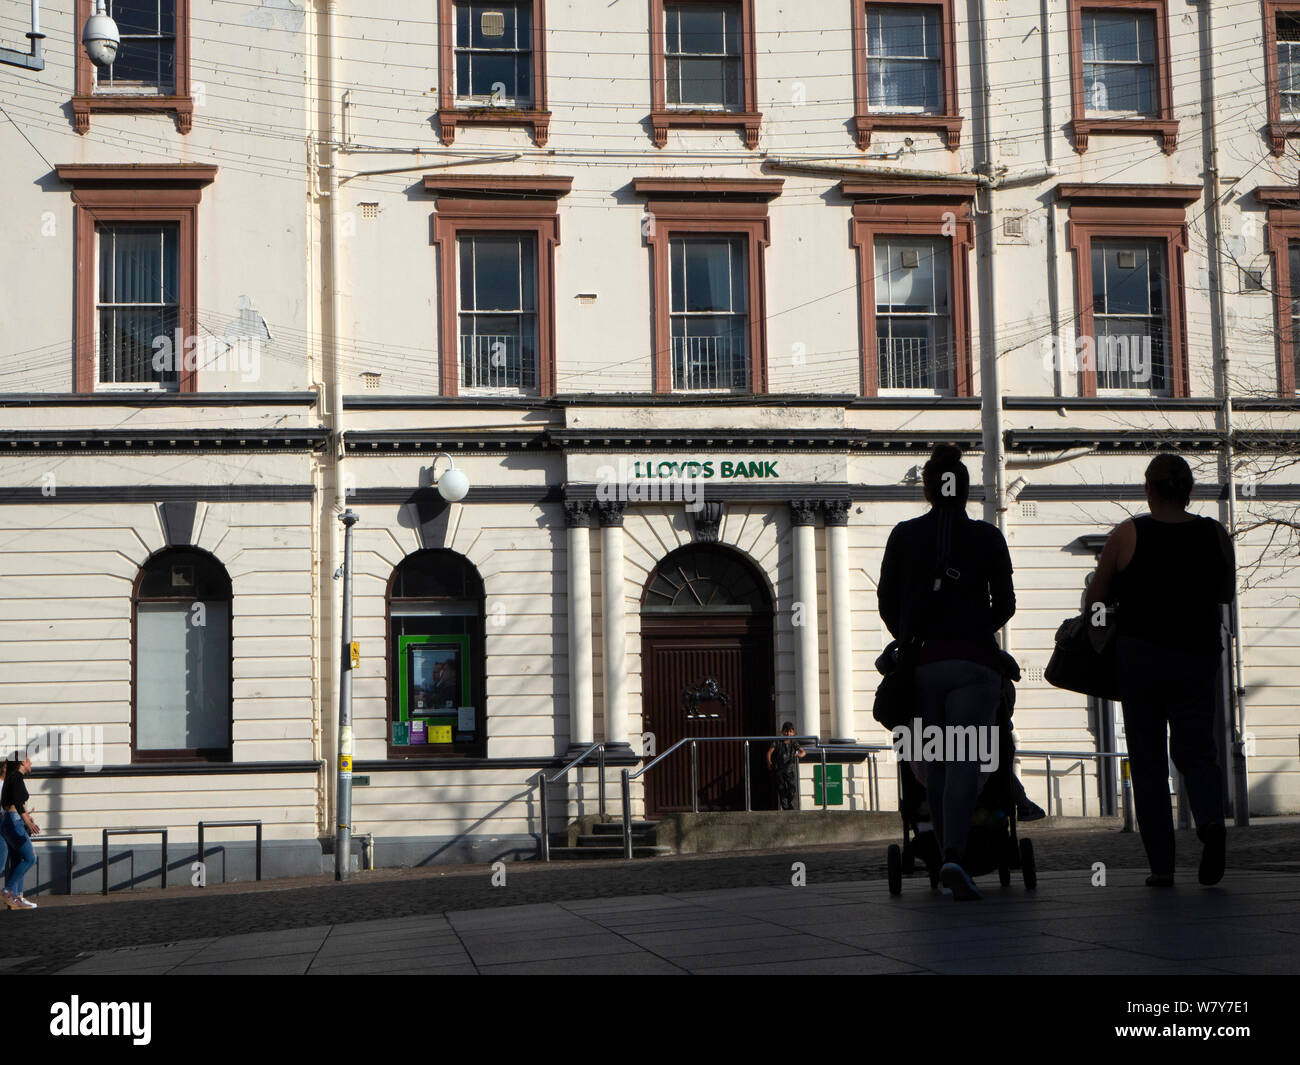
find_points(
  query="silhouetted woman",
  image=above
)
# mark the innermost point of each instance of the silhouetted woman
(959, 671)
(1167, 574)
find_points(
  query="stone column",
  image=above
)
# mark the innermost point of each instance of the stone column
(615, 636)
(839, 587)
(577, 518)
(807, 678)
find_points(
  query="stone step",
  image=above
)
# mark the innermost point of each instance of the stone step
(615, 828)
(561, 854)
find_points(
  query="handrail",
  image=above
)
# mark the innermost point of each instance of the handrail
(544, 814)
(1126, 793)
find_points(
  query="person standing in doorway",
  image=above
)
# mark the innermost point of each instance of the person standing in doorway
(783, 759)
(945, 590)
(1168, 573)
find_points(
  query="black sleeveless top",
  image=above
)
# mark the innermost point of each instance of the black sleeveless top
(1169, 594)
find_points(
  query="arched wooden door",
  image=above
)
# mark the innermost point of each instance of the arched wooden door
(707, 671)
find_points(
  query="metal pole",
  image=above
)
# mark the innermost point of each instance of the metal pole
(343, 833)
(825, 789)
(627, 815)
(695, 779)
(600, 768)
(1128, 796)
(1049, 788)
(748, 804)
(544, 813)
(1083, 786)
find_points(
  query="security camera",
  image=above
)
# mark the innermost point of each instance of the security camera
(100, 37)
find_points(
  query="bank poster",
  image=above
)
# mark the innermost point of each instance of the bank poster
(433, 691)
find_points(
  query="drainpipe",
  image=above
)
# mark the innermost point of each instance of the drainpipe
(1214, 222)
(995, 507)
(1049, 157)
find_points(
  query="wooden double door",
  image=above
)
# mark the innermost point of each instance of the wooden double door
(707, 676)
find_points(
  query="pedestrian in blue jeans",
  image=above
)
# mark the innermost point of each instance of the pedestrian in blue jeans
(17, 828)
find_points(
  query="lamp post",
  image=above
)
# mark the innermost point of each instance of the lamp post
(453, 486)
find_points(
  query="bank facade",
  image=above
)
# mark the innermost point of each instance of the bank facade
(689, 338)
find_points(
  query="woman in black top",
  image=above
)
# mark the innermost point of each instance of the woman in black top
(1168, 573)
(958, 673)
(17, 826)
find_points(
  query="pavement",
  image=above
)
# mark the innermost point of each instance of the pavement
(735, 913)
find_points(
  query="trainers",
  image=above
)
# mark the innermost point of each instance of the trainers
(9, 900)
(1214, 855)
(25, 904)
(953, 876)
(1030, 811)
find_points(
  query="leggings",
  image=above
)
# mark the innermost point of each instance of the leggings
(958, 693)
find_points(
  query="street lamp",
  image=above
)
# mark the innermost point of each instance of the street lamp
(453, 486)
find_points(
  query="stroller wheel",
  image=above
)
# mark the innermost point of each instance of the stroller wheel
(895, 867)
(1027, 869)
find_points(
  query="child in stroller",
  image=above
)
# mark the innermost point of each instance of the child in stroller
(992, 843)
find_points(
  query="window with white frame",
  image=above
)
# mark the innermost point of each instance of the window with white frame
(145, 64)
(1288, 65)
(904, 60)
(709, 311)
(1129, 311)
(702, 56)
(498, 310)
(137, 308)
(1119, 63)
(913, 280)
(494, 54)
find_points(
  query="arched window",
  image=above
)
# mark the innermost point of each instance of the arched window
(181, 662)
(703, 578)
(436, 657)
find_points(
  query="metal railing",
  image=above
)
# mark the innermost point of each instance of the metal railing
(694, 742)
(136, 832)
(497, 360)
(230, 824)
(544, 808)
(1084, 757)
(873, 770)
(67, 842)
(704, 362)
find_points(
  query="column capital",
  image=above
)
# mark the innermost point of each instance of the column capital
(804, 511)
(836, 511)
(578, 513)
(610, 511)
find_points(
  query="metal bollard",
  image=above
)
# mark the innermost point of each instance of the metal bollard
(1127, 795)
(627, 816)
(748, 802)
(544, 813)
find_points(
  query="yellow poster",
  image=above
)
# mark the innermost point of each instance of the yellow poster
(439, 733)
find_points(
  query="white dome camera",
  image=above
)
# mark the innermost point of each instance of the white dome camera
(100, 38)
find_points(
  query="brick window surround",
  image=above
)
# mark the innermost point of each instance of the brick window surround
(865, 121)
(513, 204)
(1163, 124)
(663, 118)
(140, 192)
(1278, 129)
(713, 207)
(86, 101)
(537, 118)
(1135, 212)
(1280, 231)
(886, 207)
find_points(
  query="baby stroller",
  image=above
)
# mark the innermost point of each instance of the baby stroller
(992, 844)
